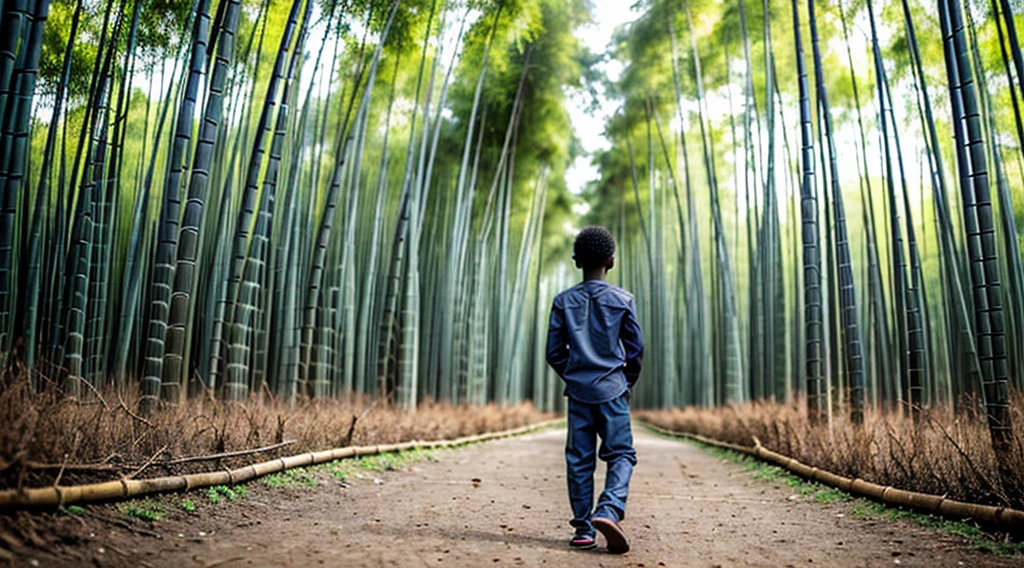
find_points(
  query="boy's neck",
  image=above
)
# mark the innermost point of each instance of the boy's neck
(594, 273)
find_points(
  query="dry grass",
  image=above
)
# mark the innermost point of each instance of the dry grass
(942, 454)
(106, 435)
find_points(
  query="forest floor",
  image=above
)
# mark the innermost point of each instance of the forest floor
(498, 503)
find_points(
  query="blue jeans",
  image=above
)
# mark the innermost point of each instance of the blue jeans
(610, 421)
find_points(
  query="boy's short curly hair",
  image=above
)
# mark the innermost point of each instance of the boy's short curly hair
(593, 247)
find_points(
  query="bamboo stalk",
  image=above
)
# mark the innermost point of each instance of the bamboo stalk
(58, 495)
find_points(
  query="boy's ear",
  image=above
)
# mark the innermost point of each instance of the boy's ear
(577, 261)
(611, 262)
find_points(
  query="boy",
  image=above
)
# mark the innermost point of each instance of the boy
(595, 345)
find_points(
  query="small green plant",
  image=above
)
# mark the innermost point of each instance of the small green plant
(385, 462)
(419, 454)
(145, 509)
(765, 472)
(338, 470)
(828, 495)
(275, 480)
(219, 493)
(865, 508)
(344, 470)
(72, 510)
(188, 506)
(393, 461)
(292, 478)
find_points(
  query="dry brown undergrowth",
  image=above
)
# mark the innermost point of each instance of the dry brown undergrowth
(42, 432)
(944, 453)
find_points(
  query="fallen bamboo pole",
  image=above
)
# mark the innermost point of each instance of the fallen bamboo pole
(58, 495)
(1003, 517)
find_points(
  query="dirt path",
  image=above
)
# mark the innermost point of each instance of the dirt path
(686, 508)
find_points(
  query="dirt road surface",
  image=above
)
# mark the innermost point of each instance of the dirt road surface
(686, 508)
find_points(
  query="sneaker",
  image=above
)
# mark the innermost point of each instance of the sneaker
(583, 542)
(617, 542)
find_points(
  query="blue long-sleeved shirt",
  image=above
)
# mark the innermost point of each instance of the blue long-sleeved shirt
(594, 341)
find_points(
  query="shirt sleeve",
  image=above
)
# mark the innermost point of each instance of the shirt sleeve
(558, 348)
(633, 343)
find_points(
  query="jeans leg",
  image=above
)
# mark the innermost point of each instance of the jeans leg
(618, 452)
(581, 461)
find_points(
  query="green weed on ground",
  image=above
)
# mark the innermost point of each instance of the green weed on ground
(393, 461)
(858, 506)
(291, 479)
(220, 493)
(145, 509)
(344, 470)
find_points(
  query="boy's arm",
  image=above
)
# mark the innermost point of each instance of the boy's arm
(633, 343)
(558, 350)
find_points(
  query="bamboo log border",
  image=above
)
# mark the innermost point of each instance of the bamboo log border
(1003, 517)
(57, 495)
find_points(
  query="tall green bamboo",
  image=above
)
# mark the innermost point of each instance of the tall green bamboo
(14, 147)
(175, 370)
(811, 255)
(958, 314)
(35, 248)
(170, 213)
(731, 363)
(979, 226)
(236, 379)
(847, 291)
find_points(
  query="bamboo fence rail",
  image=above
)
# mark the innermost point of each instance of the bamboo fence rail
(57, 495)
(1003, 517)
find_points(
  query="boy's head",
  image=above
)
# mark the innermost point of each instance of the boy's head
(594, 249)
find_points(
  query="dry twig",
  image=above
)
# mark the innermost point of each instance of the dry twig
(970, 463)
(147, 464)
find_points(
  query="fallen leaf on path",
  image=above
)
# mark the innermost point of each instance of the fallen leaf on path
(476, 481)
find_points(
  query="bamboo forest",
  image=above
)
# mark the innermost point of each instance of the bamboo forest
(232, 223)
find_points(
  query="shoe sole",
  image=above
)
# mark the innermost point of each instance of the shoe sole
(617, 542)
(589, 546)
